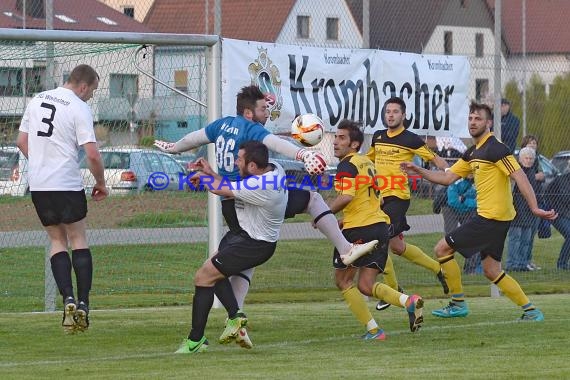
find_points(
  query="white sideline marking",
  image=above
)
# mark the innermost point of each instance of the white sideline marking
(275, 345)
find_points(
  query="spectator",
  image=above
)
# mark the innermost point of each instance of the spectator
(510, 126)
(557, 195)
(540, 224)
(523, 225)
(461, 205)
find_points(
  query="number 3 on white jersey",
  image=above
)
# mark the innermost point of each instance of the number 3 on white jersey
(224, 153)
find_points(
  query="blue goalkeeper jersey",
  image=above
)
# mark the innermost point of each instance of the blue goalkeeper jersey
(228, 134)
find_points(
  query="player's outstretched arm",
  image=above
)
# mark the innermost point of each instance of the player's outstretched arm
(528, 193)
(315, 162)
(190, 141)
(443, 178)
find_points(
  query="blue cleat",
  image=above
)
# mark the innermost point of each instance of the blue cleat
(534, 315)
(453, 310)
(379, 335)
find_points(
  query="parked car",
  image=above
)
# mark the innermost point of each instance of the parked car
(13, 172)
(561, 161)
(134, 170)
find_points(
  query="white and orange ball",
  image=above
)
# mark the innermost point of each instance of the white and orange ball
(308, 129)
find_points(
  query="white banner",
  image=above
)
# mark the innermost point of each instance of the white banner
(349, 83)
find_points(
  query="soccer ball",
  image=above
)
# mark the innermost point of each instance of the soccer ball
(308, 129)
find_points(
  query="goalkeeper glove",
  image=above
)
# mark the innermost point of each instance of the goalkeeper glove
(314, 162)
(165, 146)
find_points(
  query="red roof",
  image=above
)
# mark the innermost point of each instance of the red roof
(547, 28)
(255, 20)
(85, 13)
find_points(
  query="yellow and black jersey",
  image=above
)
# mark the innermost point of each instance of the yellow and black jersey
(355, 176)
(389, 149)
(491, 163)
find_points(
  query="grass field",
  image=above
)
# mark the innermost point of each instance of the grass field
(318, 340)
(162, 274)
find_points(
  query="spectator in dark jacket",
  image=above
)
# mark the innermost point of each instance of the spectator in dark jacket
(557, 195)
(523, 225)
(510, 125)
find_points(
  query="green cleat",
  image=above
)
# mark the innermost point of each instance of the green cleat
(534, 315)
(453, 310)
(232, 328)
(190, 347)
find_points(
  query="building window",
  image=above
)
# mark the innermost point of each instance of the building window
(181, 80)
(10, 81)
(481, 89)
(332, 28)
(35, 80)
(129, 11)
(121, 85)
(448, 43)
(479, 47)
(303, 26)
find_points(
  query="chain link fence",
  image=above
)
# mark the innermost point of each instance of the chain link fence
(149, 243)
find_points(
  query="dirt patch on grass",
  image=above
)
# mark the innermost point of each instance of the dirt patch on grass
(19, 214)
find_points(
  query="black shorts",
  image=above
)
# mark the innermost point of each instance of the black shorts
(375, 259)
(57, 207)
(297, 202)
(396, 209)
(479, 234)
(238, 252)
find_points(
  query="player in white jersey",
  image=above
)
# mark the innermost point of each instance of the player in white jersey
(55, 124)
(260, 202)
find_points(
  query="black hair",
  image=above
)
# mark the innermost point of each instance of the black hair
(396, 100)
(474, 106)
(354, 131)
(256, 152)
(247, 98)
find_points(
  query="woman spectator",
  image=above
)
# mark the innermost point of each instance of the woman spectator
(523, 225)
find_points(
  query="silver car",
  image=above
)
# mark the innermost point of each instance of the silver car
(134, 170)
(13, 172)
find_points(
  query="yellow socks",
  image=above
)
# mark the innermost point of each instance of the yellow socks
(511, 288)
(387, 294)
(452, 274)
(356, 304)
(390, 274)
(417, 256)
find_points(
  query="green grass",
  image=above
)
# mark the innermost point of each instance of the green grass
(157, 219)
(317, 340)
(300, 271)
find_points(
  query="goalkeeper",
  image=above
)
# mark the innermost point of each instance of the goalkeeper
(228, 134)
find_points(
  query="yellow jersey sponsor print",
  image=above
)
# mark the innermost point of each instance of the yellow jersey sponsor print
(389, 149)
(356, 177)
(491, 163)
